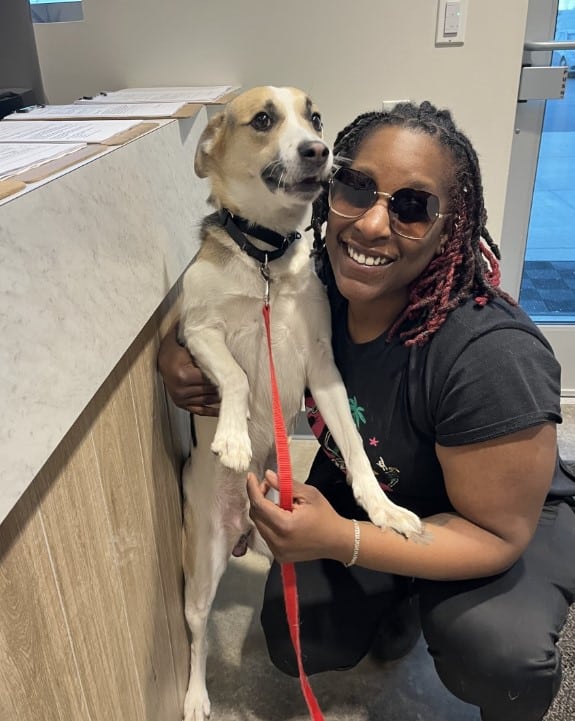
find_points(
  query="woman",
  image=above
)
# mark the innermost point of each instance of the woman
(456, 394)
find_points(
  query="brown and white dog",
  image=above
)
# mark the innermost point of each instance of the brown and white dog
(266, 163)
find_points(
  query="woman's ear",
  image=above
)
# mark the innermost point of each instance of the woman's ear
(447, 229)
(446, 233)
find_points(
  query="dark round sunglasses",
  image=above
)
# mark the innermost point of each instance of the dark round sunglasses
(412, 213)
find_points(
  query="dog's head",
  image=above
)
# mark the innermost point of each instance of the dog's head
(265, 156)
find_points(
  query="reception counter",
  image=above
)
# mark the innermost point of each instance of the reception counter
(85, 260)
(91, 610)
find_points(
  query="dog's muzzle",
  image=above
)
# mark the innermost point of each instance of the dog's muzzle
(305, 176)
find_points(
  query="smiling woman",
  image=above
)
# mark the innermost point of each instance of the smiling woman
(56, 11)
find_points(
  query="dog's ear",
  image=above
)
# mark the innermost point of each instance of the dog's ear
(208, 140)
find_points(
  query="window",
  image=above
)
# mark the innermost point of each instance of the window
(56, 11)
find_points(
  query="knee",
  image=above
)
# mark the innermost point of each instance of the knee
(278, 641)
(321, 649)
(509, 670)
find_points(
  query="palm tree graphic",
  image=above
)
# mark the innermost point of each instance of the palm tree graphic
(356, 411)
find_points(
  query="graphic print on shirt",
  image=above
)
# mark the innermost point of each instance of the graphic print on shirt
(322, 433)
(387, 476)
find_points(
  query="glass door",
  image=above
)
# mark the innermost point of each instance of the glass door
(539, 224)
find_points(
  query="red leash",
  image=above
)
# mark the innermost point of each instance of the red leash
(288, 569)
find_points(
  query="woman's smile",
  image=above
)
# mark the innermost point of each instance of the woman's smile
(364, 258)
(373, 265)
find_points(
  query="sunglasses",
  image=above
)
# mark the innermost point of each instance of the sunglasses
(412, 213)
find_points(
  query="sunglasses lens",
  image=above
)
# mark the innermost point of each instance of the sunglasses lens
(413, 211)
(351, 193)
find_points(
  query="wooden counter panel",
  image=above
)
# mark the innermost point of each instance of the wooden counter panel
(38, 671)
(162, 471)
(91, 589)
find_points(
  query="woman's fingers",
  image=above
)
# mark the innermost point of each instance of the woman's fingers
(185, 382)
(260, 506)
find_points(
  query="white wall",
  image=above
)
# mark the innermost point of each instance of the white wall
(349, 55)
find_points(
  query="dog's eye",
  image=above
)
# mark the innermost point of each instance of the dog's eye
(316, 121)
(261, 121)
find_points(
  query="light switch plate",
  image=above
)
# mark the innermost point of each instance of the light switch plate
(388, 105)
(451, 20)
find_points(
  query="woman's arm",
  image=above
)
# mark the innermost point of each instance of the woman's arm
(497, 488)
(187, 386)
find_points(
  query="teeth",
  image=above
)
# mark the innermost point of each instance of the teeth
(365, 259)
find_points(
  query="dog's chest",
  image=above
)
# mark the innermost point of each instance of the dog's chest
(248, 342)
(227, 293)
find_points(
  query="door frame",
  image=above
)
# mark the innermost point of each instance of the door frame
(541, 19)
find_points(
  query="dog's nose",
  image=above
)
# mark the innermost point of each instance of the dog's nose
(314, 151)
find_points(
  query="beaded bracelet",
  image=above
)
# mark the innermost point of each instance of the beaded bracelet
(356, 540)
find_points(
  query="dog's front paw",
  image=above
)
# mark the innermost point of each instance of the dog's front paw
(383, 512)
(234, 450)
(398, 518)
(197, 705)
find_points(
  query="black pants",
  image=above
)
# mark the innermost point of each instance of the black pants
(492, 640)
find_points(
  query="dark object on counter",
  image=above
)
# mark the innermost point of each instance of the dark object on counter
(12, 99)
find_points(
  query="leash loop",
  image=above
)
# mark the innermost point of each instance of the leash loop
(265, 271)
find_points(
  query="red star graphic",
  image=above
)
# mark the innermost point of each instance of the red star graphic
(373, 442)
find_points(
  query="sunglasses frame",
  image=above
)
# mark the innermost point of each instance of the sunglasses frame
(389, 197)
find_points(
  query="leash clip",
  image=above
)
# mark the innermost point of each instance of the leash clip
(265, 271)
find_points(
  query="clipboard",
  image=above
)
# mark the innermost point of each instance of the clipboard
(188, 110)
(10, 186)
(225, 98)
(115, 111)
(96, 132)
(51, 167)
(190, 95)
(127, 135)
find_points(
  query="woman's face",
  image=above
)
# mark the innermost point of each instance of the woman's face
(394, 158)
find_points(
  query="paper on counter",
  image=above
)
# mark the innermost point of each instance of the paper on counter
(65, 131)
(183, 94)
(97, 110)
(17, 157)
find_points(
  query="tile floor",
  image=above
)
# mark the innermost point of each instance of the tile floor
(548, 288)
(244, 686)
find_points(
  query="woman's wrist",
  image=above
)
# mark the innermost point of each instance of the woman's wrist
(356, 545)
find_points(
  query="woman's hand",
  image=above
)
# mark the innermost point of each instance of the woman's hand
(311, 530)
(185, 382)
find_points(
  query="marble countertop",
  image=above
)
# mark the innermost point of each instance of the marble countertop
(85, 260)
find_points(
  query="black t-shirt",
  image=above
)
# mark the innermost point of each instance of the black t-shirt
(486, 373)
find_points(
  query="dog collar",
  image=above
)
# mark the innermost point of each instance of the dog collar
(236, 227)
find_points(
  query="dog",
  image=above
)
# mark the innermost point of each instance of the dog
(266, 162)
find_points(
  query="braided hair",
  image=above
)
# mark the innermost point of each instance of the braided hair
(469, 266)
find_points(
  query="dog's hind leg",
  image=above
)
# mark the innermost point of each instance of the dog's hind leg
(205, 554)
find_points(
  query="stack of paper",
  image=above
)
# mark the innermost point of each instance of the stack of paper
(183, 94)
(105, 111)
(18, 157)
(107, 132)
(64, 135)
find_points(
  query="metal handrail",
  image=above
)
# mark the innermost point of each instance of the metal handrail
(549, 45)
